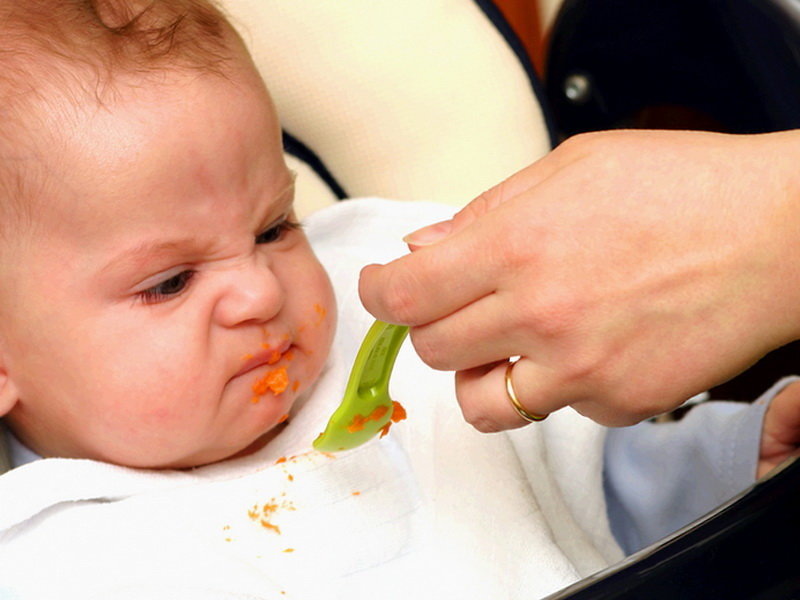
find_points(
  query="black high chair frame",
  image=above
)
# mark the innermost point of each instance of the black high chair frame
(746, 549)
(731, 66)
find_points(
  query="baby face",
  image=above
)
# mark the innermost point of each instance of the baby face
(162, 309)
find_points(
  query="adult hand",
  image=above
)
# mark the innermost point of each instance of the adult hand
(630, 270)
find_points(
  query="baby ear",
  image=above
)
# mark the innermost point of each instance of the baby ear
(8, 391)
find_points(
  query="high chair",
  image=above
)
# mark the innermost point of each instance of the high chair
(435, 100)
(420, 99)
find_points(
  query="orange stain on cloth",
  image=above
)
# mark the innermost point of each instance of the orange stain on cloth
(264, 514)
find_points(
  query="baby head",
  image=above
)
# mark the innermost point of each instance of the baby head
(159, 306)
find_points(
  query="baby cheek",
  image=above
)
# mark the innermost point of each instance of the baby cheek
(317, 330)
(163, 389)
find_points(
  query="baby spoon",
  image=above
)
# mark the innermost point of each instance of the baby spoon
(366, 408)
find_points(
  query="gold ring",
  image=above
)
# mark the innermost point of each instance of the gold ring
(512, 395)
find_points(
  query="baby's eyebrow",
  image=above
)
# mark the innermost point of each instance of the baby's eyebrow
(285, 197)
(146, 253)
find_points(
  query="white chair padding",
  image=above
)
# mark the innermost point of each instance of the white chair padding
(405, 99)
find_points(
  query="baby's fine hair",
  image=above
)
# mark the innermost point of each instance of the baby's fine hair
(52, 51)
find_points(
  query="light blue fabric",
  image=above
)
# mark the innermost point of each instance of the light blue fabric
(661, 476)
(19, 454)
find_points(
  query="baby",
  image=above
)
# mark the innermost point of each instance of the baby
(164, 320)
(152, 268)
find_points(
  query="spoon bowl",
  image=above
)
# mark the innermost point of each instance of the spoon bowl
(366, 408)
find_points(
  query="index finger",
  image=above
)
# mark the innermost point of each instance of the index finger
(430, 283)
(438, 279)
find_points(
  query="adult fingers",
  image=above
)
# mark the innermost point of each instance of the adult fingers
(480, 333)
(519, 182)
(484, 402)
(541, 390)
(453, 263)
(434, 281)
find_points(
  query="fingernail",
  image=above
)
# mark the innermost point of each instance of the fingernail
(430, 234)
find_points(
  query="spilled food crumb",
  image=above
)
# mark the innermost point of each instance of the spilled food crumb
(264, 514)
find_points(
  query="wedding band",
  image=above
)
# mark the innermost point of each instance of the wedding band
(512, 396)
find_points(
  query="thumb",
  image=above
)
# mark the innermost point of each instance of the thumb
(518, 183)
(437, 232)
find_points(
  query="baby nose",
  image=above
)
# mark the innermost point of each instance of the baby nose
(252, 293)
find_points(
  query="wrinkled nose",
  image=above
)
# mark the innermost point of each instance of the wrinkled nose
(251, 294)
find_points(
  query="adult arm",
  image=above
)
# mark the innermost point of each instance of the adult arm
(631, 270)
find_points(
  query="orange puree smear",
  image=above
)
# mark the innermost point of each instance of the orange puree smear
(358, 422)
(398, 414)
(276, 381)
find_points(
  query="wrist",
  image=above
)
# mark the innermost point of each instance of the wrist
(784, 155)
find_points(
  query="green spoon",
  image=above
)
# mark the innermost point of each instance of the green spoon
(366, 407)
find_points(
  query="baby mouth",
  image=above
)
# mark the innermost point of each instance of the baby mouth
(275, 381)
(266, 356)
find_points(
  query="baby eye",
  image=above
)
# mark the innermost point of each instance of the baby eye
(167, 289)
(276, 232)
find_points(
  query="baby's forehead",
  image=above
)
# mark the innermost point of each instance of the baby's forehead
(63, 56)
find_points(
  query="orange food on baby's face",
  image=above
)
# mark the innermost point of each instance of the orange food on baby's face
(276, 381)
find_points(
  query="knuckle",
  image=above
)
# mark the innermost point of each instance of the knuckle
(604, 149)
(429, 350)
(479, 420)
(550, 316)
(399, 296)
(488, 200)
(473, 406)
(589, 141)
(485, 425)
(511, 254)
(479, 205)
